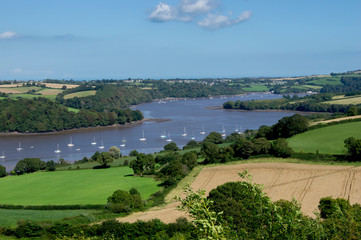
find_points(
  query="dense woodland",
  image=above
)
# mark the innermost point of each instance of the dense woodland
(42, 115)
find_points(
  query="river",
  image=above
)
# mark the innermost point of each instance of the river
(191, 115)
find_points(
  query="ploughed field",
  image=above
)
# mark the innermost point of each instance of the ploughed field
(82, 187)
(306, 183)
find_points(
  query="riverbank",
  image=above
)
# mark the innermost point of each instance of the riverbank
(85, 129)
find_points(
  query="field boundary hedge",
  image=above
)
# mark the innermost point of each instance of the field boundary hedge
(52, 207)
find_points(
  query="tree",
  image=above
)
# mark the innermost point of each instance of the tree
(210, 151)
(243, 148)
(143, 164)
(2, 171)
(192, 144)
(261, 146)
(280, 148)
(289, 126)
(190, 159)
(353, 146)
(114, 152)
(214, 137)
(104, 158)
(171, 147)
(29, 165)
(133, 153)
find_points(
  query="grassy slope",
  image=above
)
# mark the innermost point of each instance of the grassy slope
(72, 187)
(326, 140)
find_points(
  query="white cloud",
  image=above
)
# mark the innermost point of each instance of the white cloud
(244, 16)
(196, 6)
(163, 12)
(216, 21)
(193, 10)
(8, 35)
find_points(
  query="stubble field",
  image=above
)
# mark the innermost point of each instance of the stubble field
(306, 183)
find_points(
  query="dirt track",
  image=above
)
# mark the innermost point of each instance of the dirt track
(306, 183)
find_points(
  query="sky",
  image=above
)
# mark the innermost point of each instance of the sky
(120, 39)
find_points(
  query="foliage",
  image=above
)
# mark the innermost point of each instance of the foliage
(289, 126)
(144, 163)
(243, 148)
(207, 222)
(133, 153)
(210, 151)
(29, 165)
(2, 171)
(280, 148)
(214, 137)
(104, 158)
(114, 152)
(192, 144)
(171, 147)
(353, 148)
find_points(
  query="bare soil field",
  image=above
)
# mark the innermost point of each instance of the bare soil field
(306, 183)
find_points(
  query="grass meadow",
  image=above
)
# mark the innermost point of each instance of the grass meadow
(329, 140)
(346, 100)
(72, 187)
(255, 88)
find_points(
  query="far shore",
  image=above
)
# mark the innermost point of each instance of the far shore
(126, 125)
(257, 110)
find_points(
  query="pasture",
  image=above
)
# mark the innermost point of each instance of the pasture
(80, 94)
(255, 88)
(72, 187)
(328, 140)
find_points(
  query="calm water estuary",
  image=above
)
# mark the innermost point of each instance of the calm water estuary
(189, 115)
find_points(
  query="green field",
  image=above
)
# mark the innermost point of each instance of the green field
(256, 88)
(10, 217)
(70, 109)
(326, 81)
(346, 100)
(80, 94)
(326, 140)
(72, 187)
(31, 96)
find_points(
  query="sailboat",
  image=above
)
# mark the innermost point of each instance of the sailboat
(223, 132)
(236, 130)
(193, 137)
(142, 138)
(101, 145)
(184, 133)
(203, 132)
(163, 135)
(123, 142)
(2, 156)
(94, 142)
(19, 148)
(57, 150)
(169, 139)
(70, 144)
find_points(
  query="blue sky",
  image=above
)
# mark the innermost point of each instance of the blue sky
(93, 39)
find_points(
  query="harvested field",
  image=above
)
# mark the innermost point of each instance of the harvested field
(10, 90)
(306, 183)
(48, 91)
(59, 85)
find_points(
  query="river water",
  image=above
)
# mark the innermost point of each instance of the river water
(190, 115)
